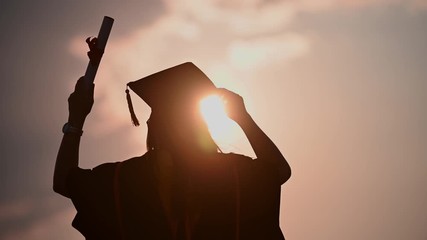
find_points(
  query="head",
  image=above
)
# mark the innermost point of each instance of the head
(176, 122)
(182, 132)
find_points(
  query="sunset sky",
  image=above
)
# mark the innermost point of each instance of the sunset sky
(339, 86)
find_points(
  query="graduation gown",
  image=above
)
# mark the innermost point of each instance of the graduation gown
(233, 197)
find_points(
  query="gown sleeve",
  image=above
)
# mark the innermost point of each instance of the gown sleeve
(92, 193)
(259, 189)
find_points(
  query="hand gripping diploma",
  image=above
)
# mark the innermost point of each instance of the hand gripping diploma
(79, 105)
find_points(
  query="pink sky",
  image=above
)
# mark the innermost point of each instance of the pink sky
(338, 85)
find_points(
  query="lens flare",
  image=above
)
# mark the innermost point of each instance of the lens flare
(220, 126)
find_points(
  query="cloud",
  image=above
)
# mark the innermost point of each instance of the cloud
(240, 34)
(53, 226)
(321, 5)
(240, 17)
(263, 51)
(42, 217)
(14, 210)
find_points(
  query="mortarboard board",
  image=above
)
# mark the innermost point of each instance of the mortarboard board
(173, 87)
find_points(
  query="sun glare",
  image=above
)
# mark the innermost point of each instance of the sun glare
(220, 126)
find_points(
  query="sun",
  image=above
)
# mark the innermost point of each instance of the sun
(220, 126)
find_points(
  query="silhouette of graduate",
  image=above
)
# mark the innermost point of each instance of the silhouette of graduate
(183, 187)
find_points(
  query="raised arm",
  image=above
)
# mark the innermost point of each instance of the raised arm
(262, 145)
(79, 105)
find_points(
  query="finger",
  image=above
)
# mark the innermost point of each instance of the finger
(223, 90)
(228, 95)
(225, 93)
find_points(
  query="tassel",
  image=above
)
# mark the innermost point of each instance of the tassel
(130, 106)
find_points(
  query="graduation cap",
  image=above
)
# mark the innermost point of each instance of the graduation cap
(171, 89)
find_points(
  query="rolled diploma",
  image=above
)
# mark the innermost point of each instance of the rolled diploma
(103, 35)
